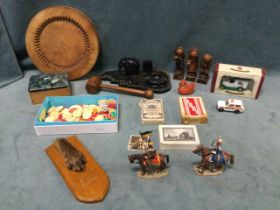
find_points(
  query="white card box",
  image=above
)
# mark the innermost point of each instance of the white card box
(178, 137)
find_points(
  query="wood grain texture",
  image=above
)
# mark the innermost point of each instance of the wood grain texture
(62, 39)
(37, 97)
(89, 186)
(94, 85)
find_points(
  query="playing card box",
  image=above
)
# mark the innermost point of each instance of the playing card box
(192, 110)
(237, 80)
(178, 137)
(87, 126)
(152, 111)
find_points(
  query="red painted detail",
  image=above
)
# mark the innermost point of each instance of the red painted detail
(192, 106)
(215, 74)
(93, 116)
(156, 160)
(112, 105)
(73, 110)
(60, 117)
(261, 82)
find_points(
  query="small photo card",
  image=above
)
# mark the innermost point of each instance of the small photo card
(136, 143)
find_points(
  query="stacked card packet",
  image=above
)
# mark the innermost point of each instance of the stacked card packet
(152, 111)
(192, 110)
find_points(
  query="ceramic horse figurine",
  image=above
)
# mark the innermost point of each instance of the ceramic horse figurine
(148, 163)
(219, 160)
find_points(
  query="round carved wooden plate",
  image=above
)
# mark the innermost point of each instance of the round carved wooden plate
(62, 39)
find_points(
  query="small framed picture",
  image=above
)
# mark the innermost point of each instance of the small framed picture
(136, 143)
(178, 137)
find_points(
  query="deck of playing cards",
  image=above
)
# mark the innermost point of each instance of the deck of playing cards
(152, 111)
(178, 137)
(192, 110)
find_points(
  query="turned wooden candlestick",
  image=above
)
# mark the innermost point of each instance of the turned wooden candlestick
(94, 85)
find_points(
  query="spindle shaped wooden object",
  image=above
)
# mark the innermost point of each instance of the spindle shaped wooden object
(94, 85)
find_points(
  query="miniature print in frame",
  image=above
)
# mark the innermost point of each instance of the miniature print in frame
(178, 137)
(136, 143)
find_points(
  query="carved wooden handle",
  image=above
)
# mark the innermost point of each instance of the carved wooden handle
(94, 85)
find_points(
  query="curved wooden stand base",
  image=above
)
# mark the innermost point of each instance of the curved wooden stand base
(153, 175)
(89, 186)
(207, 172)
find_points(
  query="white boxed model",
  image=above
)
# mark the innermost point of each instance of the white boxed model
(243, 81)
(231, 105)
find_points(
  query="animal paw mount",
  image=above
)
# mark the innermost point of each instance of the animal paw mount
(85, 178)
(73, 158)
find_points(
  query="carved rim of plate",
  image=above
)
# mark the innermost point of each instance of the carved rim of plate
(40, 51)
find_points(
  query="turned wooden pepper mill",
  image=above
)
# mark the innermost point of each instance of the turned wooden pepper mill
(94, 85)
(192, 64)
(179, 64)
(205, 66)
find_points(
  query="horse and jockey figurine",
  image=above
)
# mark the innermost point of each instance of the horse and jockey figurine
(213, 160)
(152, 163)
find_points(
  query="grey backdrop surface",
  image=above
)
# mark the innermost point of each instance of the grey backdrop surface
(237, 32)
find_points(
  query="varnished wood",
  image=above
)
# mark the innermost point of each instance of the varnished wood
(89, 186)
(62, 39)
(94, 85)
(37, 97)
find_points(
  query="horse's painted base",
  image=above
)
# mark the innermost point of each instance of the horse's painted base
(153, 175)
(207, 172)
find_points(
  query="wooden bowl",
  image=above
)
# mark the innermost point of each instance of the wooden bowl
(62, 39)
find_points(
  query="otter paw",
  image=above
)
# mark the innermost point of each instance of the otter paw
(74, 159)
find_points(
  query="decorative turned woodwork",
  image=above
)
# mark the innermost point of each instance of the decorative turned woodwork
(94, 85)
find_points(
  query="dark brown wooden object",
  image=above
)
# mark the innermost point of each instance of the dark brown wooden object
(62, 39)
(192, 64)
(205, 66)
(90, 185)
(179, 64)
(37, 97)
(94, 85)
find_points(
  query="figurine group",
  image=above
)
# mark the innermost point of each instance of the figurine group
(192, 64)
(153, 164)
